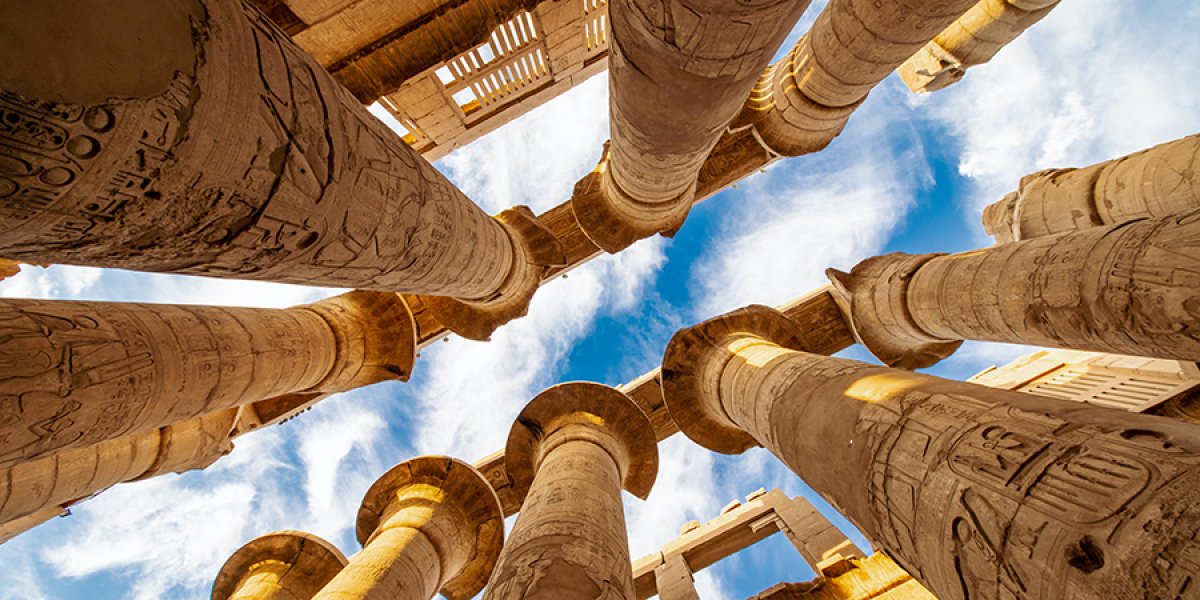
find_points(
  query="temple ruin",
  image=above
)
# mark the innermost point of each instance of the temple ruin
(241, 139)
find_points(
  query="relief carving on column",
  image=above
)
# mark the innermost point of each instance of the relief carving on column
(1020, 490)
(303, 186)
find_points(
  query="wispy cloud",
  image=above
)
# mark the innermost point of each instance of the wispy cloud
(810, 213)
(1093, 81)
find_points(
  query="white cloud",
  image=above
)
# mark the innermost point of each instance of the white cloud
(1093, 81)
(810, 213)
(469, 392)
(536, 159)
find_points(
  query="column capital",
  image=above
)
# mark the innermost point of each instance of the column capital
(376, 339)
(691, 384)
(537, 250)
(463, 521)
(612, 220)
(311, 562)
(590, 404)
(874, 298)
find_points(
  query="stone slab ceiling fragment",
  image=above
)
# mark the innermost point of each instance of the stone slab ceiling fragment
(972, 40)
(58, 481)
(679, 71)
(1126, 289)
(977, 492)
(284, 565)
(803, 101)
(569, 454)
(429, 525)
(74, 374)
(1156, 182)
(230, 154)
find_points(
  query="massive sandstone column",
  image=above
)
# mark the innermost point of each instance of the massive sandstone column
(56, 482)
(977, 492)
(203, 141)
(74, 374)
(971, 40)
(285, 565)
(431, 524)
(569, 453)
(679, 71)
(1125, 289)
(1156, 182)
(803, 101)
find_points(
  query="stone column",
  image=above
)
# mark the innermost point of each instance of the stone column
(569, 453)
(1154, 183)
(230, 153)
(62, 479)
(803, 101)
(285, 565)
(74, 374)
(1125, 289)
(679, 71)
(977, 492)
(971, 40)
(431, 524)
(674, 581)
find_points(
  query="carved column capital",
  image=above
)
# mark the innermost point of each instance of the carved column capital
(589, 411)
(278, 566)
(376, 339)
(875, 296)
(691, 373)
(449, 502)
(536, 250)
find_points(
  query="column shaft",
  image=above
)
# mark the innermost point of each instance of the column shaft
(400, 563)
(231, 153)
(1154, 183)
(802, 102)
(71, 475)
(679, 71)
(1124, 289)
(77, 373)
(569, 540)
(265, 583)
(980, 492)
(971, 40)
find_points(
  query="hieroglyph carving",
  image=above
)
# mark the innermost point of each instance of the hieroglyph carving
(252, 164)
(77, 373)
(1017, 491)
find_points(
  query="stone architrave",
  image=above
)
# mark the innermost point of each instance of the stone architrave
(60, 480)
(206, 142)
(803, 101)
(679, 71)
(73, 374)
(285, 565)
(1154, 183)
(429, 525)
(1124, 289)
(970, 41)
(977, 492)
(569, 453)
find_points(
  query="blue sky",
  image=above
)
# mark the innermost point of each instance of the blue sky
(1095, 80)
